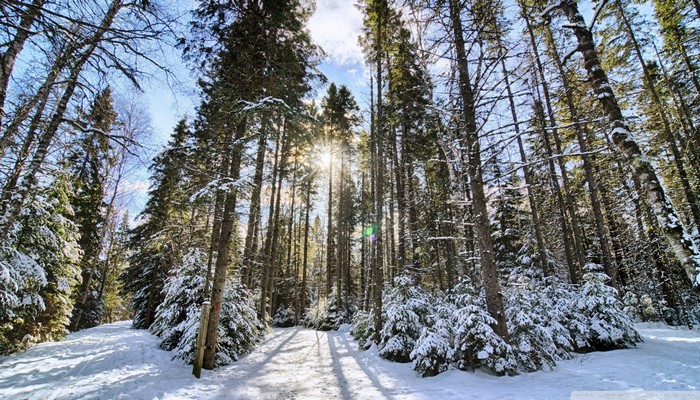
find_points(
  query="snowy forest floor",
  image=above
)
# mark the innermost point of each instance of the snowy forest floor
(116, 362)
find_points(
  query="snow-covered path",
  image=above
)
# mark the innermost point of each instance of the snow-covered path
(115, 362)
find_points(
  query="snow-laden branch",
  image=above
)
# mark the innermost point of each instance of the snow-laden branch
(596, 13)
(546, 13)
(265, 103)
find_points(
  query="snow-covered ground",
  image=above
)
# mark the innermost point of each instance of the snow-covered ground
(116, 362)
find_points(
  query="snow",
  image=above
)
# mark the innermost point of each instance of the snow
(116, 362)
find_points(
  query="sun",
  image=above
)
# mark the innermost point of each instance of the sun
(325, 158)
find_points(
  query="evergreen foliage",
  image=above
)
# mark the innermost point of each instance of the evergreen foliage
(407, 309)
(183, 294)
(434, 351)
(39, 271)
(284, 317)
(362, 329)
(476, 343)
(89, 165)
(152, 242)
(608, 327)
(240, 329)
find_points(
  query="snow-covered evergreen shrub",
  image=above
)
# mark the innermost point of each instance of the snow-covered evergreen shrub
(362, 328)
(284, 317)
(186, 347)
(476, 344)
(552, 303)
(329, 318)
(406, 309)
(608, 325)
(325, 316)
(182, 296)
(531, 338)
(178, 317)
(38, 271)
(561, 307)
(434, 350)
(632, 306)
(21, 279)
(240, 330)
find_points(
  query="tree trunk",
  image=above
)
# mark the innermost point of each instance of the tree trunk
(8, 58)
(234, 151)
(272, 237)
(669, 135)
(527, 174)
(12, 210)
(565, 201)
(670, 224)
(378, 163)
(489, 274)
(587, 159)
(329, 230)
(252, 229)
(304, 263)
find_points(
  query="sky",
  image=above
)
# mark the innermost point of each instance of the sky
(335, 26)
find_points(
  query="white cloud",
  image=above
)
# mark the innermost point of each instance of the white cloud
(336, 26)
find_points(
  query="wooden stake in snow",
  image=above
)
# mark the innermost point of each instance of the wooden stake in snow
(201, 338)
(676, 235)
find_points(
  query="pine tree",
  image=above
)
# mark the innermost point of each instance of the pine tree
(406, 310)
(152, 244)
(39, 270)
(90, 165)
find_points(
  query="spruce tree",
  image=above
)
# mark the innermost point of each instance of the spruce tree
(151, 244)
(90, 164)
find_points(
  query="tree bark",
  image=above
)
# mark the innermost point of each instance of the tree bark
(669, 222)
(234, 151)
(489, 274)
(252, 229)
(527, 174)
(378, 163)
(329, 230)
(587, 159)
(304, 263)
(14, 47)
(669, 135)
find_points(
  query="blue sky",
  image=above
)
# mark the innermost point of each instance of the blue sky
(335, 26)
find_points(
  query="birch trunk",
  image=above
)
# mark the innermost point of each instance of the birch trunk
(669, 222)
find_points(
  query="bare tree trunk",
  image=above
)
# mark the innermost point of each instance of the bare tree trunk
(566, 201)
(252, 230)
(12, 209)
(378, 163)
(290, 232)
(400, 200)
(669, 135)
(14, 47)
(489, 274)
(232, 171)
(574, 267)
(684, 113)
(587, 159)
(329, 230)
(269, 253)
(527, 174)
(340, 233)
(669, 222)
(304, 263)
